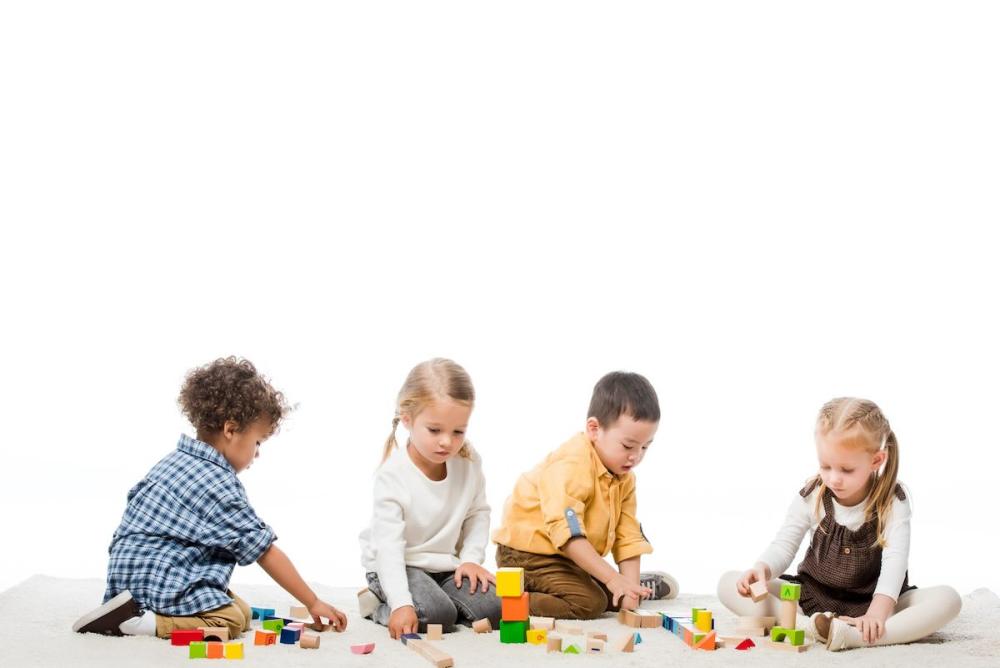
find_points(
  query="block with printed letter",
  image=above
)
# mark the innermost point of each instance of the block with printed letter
(790, 591)
(537, 636)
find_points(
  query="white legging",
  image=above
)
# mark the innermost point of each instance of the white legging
(919, 612)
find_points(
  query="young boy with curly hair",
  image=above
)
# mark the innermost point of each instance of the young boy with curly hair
(188, 522)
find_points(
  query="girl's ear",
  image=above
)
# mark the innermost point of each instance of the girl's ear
(406, 420)
(877, 460)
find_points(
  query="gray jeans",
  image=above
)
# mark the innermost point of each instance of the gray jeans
(437, 600)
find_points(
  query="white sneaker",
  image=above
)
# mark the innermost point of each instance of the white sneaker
(839, 635)
(143, 625)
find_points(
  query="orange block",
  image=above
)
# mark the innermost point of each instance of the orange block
(264, 637)
(514, 608)
(707, 643)
(215, 650)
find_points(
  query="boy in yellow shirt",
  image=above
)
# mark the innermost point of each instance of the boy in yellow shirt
(568, 512)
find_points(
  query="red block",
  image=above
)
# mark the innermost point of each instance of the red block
(186, 637)
(746, 644)
(514, 608)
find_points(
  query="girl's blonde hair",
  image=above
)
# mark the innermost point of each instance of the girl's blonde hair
(849, 413)
(438, 378)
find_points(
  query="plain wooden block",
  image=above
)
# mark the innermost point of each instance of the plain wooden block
(299, 612)
(363, 648)
(597, 635)
(650, 620)
(548, 623)
(629, 618)
(554, 643)
(215, 633)
(431, 653)
(309, 641)
(233, 650)
(626, 643)
(482, 625)
(595, 646)
(514, 608)
(758, 591)
(434, 631)
(510, 582)
(568, 628)
(788, 648)
(787, 612)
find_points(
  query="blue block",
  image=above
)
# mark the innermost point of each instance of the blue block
(289, 636)
(638, 638)
(406, 637)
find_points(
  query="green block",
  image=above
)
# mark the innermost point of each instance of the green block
(797, 637)
(273, 625)
(513, 632)
(790, 592)
(694, 613)
(696, 638)
(778, 633)
(198, 650)
(571, 649)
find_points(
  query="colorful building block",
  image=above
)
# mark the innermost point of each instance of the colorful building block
(261, 613)
(186, 637)
(746, 644)
(572, 648)
(638, 638)
(215, 650)
(510, 582)
(707, 642)
(537, 636)
(262, 637)
(363, 648)
(514, 608)
(790, 591)
(794, 636)
(273, 625)
(702, 619)
(513, 632)
(290, 636)
(233, 650)
(407, 637)
(198, 649)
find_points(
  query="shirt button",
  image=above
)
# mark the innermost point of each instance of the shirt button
(847, 550)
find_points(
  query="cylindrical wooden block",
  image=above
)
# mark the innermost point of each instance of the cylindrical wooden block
(309, 641)
(786, 618)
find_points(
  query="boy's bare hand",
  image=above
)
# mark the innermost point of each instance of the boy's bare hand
(323, 609)
(621, 589)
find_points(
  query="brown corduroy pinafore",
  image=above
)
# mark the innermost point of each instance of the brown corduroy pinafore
(841, 567)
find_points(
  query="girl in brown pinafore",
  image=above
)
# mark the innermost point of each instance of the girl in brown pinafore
(855, 585)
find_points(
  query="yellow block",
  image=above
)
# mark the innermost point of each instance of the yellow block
(510, 582)
(703, 620)
(233, 650)
(538, 636)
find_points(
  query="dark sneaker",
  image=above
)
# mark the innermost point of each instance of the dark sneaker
(663, 585)
(108, 617)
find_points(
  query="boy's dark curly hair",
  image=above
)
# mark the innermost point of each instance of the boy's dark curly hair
(229, 389)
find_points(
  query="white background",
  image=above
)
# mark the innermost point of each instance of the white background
(759, 206)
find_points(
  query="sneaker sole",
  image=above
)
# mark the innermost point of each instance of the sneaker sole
(109, 608)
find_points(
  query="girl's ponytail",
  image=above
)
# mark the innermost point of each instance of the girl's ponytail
(390, 443)
(883, 492)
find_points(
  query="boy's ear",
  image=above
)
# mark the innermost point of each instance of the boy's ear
(230, 428)
(592, 426)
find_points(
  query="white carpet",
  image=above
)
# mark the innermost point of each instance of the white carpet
(37, 615)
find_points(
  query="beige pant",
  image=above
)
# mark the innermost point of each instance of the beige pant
(235, 616)
(919, 612)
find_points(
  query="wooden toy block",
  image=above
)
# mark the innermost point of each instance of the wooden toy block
(537, 636)
(482, 626)
(273, 625)
(309, 641)
(261, 613)
(363, 648)
(568, 628)
(290, 636)
(638, 638)
(597, 635)
(548, 623)
(787, 612)
(510, 582)
(650, 620)
(572, 648)
(554, 643)
(789, 648)
(215, 650)
(595, 646)
(233, 650)
(407, 637)
(299, 611)
(730, 642)
(186, 636)
(513, 632)
(216, 633)
(626, 643)
(758, 591)
(790, 591)
(321, 626)
(198, 649)
(514, 608)
(794, 636)
(434, 631)
(746, 644)
(702, 619)
(629, 618)
(707, 643)
(298, 626)
(262, 637)
(425, 649)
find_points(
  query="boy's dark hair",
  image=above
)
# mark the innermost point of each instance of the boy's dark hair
(622, 393)
(229, 389)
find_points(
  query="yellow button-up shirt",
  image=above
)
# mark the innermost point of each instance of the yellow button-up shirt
(573, 494)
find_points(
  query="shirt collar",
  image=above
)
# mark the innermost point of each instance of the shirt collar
(602, 470)
(203, 450)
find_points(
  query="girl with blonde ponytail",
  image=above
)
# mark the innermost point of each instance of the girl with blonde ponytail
(426, 542)
(855, 589)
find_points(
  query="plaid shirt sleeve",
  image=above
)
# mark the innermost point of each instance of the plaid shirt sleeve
(238, 531)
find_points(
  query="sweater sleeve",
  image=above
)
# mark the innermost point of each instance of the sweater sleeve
(476, 526)
(799, 519)
(387, 532)
(896, 553)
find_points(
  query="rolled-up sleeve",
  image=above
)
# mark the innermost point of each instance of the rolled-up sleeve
(564, 488)
(629, 539)
(236, 528)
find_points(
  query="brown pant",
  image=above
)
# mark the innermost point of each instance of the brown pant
(235, 616)
(559, 588)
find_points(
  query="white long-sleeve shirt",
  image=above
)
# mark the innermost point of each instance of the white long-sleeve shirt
(802, 518)
(427, 524)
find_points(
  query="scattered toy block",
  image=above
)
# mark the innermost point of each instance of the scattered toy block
(290, 636)
(626, 643)
(638, 638)
(548, 623)
(513, 632)
(407, 637)
(758, 591)
(425, 649)
(568, 628)
(514, 608)
(595, 646)
(216, 633)
(298, 626)
(787, 613)
(263, 637)
(363, 648)
(629, 618)
(790, 591)
(650, 620)
(299, 611)
(482, 626)
(214, 650)
(702, 619)
(789, 648)
(707, 643)
(233, 650)
(537, 636)
(186, 636)
(510, 582)
(794, 636)
(198, 649)
(554, 643)
(309, 641)
(434, 631)
(745, 645)
(273, 625)
(572, 648)
(597, 635)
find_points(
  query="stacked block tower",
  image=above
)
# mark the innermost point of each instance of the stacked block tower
(785, 630)
(513, 605)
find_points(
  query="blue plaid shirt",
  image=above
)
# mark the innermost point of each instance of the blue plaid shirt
(186, 526)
